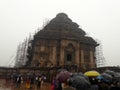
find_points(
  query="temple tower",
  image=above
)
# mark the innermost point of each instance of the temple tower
(62, 42)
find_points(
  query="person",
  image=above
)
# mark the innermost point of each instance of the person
(39, 82)
(115, 86)
(32, 82)
(103, 86)
(27, 83)
(18, 81)
(58, 85)
(67, 86)
(52, 86)
(94, 84)
(54, 83)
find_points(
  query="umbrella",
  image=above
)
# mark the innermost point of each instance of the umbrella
(14, 74)
(80, 74)
(117, 74)
(63, 76)
(92, 73)
(117, 77)
(29, 74)
(59, 70)
(110, 72)
(106, 77)
(100, 77)
(79, 82)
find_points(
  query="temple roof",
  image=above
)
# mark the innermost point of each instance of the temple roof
(62, 27)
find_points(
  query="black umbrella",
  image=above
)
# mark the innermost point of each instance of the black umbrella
(117, 77)
(14, 74)
(110, 72)
(107, 77)
(80, 74)
(79, 82)
(117, 74)
(29, 74)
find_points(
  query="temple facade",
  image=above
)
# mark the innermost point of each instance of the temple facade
(61, 42)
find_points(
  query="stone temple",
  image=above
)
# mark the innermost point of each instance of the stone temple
(61, 42)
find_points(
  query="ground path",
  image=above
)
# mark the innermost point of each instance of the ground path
(7, 85)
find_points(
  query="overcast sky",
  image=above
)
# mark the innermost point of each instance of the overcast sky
(99, 18)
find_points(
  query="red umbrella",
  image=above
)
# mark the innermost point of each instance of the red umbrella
(63, 76)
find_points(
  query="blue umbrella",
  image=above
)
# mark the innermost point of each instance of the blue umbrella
(100, 77)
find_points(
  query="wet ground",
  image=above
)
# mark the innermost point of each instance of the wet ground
(8, 85)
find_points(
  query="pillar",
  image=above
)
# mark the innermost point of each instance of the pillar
(77, 57)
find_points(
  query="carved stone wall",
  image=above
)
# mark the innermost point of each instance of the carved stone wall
(63, 52)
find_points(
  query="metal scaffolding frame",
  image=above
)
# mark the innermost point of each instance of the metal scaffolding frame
(100, 59)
